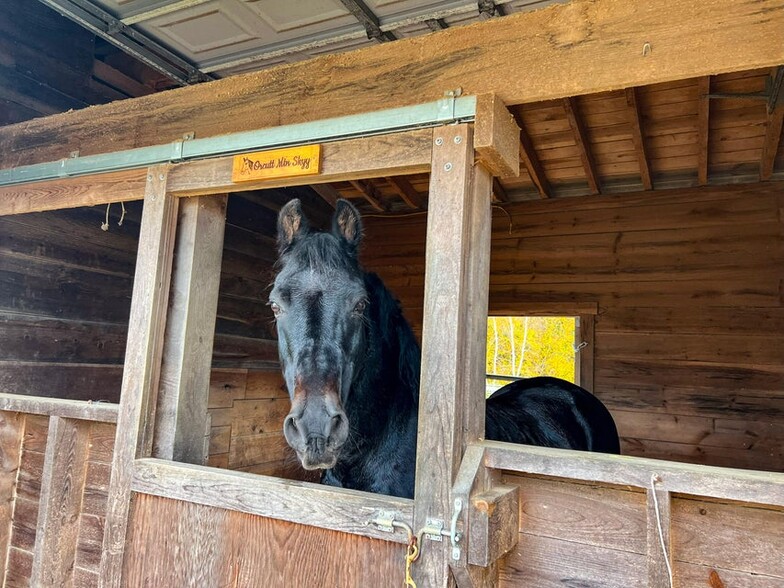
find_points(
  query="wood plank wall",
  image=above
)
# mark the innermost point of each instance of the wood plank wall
(689, 350)
(247, 410)
(579, 534)
(65, 289)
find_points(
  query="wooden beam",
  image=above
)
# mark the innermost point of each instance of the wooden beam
(142, 364)
(703, 130)
(12, 426)
(369, 157)
(370, 193)
(83, 410)
(658, 518)
(339, 509)
(72, 192)
(773, 131)
(62, 487)
(117, 79)
(181, 429)
(451, 405)
(565, 40)
(407, 192)
(496, 137)
(531, 160)
(638, 138)
(622, 470)
(581, 139)
(327, 192)
(499, 193)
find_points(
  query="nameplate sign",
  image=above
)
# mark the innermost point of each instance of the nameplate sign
(279, 163)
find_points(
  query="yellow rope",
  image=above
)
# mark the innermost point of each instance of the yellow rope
(411, 555)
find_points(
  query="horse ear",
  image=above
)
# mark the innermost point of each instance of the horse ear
(347, 224)
(292, 224)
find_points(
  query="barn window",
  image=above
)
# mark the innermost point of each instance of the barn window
(543, 342)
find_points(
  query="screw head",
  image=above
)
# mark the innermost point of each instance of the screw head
(447, 166)
(160, 177)
(458, 140)
(439, 141)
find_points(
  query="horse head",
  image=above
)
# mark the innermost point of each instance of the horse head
(319, 301)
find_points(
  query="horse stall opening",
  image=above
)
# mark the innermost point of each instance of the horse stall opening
(626, 210)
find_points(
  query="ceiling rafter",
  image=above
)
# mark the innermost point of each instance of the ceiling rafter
(638, 137)
(370, 193)
(703, 129)
(328, 193)
(407, 192)
(581, 138)
(774, 124)
(369, 20)
(531, 160)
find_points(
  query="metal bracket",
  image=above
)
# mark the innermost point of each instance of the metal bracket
(434, 530)
(384, 521)
(446, 106)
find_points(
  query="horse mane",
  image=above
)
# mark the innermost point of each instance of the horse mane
(397, 338)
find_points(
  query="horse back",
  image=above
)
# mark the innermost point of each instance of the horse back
(551, 412)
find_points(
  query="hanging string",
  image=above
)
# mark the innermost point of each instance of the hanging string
(105, 224)
(655, 478)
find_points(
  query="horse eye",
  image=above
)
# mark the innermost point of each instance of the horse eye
(276, 310)
(360, 307)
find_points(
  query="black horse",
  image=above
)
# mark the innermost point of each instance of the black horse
(351, 364)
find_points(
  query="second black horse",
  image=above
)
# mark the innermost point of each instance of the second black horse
(351, 365)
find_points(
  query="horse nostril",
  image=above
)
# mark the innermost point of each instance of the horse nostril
(290, 429)
(338, 429)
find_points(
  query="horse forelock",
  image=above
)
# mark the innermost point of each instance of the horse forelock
(321, 253)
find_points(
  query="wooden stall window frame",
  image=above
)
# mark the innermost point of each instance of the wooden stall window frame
(584, 314)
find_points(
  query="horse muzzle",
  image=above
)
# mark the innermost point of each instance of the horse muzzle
(317, 432)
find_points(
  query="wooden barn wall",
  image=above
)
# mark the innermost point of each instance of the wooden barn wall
(579, 534)
(46, 64)
(246, 407)
(65, 293)
(689, 350)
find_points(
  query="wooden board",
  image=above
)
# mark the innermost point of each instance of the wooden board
(240, 550)
(565, 40)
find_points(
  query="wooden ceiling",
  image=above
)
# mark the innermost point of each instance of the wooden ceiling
(652, 137)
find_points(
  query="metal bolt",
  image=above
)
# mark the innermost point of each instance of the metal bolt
(149, 176)
(439, 141)
(447, 166)
(458, 140)
(160, 177)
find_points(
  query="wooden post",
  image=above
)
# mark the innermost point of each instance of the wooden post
(451, 406)
(181, 416)
(62, 487)
(11, 436)
(142, 364)
(658, 519)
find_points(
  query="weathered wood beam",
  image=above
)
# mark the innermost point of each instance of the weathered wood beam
(577, 35)
(529, 157)
(62, 486)
(407, 192)
(75, 409)
(638, 138)
(328, 193)
(685, 478)
(73, 192)
(496, 137)
(338, 509)
(370, 157)
(658, 519)
(703, 129)
(581, 139)
(181, 429)
(370, 193)
(451, 405)
(142, 368)
(11, 436)
(773, 131)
